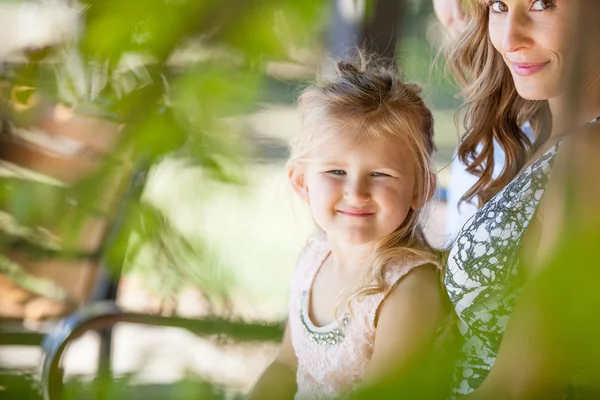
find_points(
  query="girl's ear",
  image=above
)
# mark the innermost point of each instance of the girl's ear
(419, 201)
(297, 178)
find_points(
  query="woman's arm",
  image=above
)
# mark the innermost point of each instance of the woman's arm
(278, 381)
(533, 361)
(535, 358)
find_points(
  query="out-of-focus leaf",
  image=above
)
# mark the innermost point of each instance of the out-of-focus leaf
(279, 22)
(21, 197)
(212, 91)
(155, 27)
(298, 23)
(158, 134)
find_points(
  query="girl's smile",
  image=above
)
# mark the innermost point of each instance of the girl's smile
(351, 212)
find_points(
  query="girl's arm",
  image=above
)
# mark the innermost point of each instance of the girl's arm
(278, 381)
(407, 326)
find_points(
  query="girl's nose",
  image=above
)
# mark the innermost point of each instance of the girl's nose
(357, 191)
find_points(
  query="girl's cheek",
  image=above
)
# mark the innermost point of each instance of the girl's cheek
(394, 193)
(330, 183)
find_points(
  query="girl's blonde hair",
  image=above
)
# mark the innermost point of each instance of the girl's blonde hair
(492, 107)
(368, 101)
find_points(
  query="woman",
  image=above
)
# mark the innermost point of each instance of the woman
(458, 212)
(512, 62)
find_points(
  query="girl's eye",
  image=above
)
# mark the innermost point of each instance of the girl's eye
(338, 172)
(498, 7)
(379, 174)
(542, 5)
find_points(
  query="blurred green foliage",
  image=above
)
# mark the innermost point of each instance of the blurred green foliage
(420, 55)
(170, 73)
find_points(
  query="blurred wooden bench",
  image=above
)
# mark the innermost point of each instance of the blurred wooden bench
(42, 164)
(105, 315)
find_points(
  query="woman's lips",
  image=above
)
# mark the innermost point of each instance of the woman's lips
(527, 69)
(357, 213)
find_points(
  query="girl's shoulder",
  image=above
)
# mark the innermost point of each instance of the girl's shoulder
(311, 256)
(392, 274)
(399, 267)
(316, 246)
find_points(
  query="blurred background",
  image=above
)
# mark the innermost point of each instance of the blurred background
(141, 161)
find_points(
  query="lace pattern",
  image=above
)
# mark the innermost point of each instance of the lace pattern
(482, 275)
(331, 334)
(326, 369)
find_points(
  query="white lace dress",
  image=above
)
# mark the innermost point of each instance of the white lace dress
(333, 359)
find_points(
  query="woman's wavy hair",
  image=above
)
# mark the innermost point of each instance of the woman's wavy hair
(492, 108)
(365, 101)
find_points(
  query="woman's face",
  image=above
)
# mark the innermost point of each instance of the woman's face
(532, 37)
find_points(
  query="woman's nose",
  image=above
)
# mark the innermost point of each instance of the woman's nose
(516, 32)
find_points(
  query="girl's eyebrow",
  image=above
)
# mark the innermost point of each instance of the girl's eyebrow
(387, 166)
(332, 161)
(393, 167)
(398, 170)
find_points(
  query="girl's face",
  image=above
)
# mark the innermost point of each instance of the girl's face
(358, 194)
(531, 36)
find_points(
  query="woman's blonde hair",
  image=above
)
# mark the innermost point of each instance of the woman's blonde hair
(493, 110)
(366, 101)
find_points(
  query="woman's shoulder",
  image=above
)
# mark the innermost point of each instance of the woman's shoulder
(572, 194)
(582, 145)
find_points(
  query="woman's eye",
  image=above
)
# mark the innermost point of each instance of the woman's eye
(542, 5)
(337, 172)
(498, 6)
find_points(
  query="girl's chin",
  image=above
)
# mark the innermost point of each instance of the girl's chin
(352, 240)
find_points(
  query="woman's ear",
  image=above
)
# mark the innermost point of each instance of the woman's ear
(419, 200)
(297, 177)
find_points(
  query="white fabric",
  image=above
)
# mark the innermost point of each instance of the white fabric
(461, 181)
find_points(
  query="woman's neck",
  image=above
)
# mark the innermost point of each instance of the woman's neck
(566, 115)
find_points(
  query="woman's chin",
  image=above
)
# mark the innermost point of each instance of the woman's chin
(536, 91)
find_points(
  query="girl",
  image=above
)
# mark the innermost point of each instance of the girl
(366, 296)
